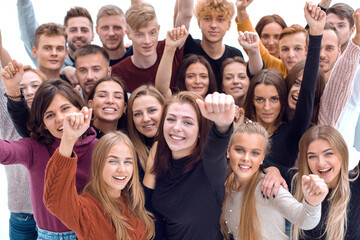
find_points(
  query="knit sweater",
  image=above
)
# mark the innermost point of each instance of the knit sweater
(83, 214)
(272, 213)
(17, 175)
(34, 156)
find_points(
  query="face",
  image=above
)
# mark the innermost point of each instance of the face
(197, 79)
(267, 104)
(79, 32)
(89, 69)
(30, 82)
(145, 39)
(270, 37)
(213, 27)
(55, 113)
(293, 49)
(181, 129)
(146, 115)
(324, 161)
(118, 169)
(294, 92)
(235, 80)
(246, 155)
(342, 26)
(51, 52)
(111, 30)
(330, 50)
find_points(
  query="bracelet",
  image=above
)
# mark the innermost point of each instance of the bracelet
(13, 97)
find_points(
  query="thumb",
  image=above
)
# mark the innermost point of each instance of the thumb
(202, 107)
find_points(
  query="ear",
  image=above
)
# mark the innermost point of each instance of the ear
(96, 30)
(352, 30)
(109, 71)
(92, 37)
(198, 21)
(228, 152)
(129, 34)
(125, 106)
(229, 25)
(34, 52)
(90, 104)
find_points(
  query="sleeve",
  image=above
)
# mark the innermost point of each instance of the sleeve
(269, 60)
(339, 87)
(60, 195)
(16, 152)
(19, 113)
(303, 215)
(28, 25)
(214, 156)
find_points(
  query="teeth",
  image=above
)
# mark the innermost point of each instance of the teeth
(295, 98)
(60, 129)
(176, 138)
(324, 170)
(148, 126)
(120, 178)
(109, 109)
(243, 166)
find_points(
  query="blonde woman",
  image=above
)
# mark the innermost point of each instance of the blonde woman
(246, 214)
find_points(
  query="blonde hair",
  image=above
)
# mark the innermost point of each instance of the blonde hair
(219, 7)
(139, 15)
(249, 226)
(340, 194)
(133, 192)
(109, 10)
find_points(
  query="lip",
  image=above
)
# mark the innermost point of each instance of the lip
(176, 138)
(244, 167)
(267, 115)
(109, 110)
(147, 48)
(53, 61)
(60, 129)
(148, 127)
(119, 179)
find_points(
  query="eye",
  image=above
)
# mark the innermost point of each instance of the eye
(113, 161)
(274, 99)
(97, 69)
(297, 83)
(101, 95)
(188, 123)
(47, 48)
(255, 153)
(138, 35)
(265, 36)
(50, 115)
(329, 48)
(152, 33)
(85, 30)
(220, 20)
(64, 109)
(82, 70)
(259, 100)
(276, 36)
(170, 119)
(328, 154)
(240, 150)
(229, 77)
(312, 156)
(204, 76)
(190, 76)
(128, 162)
(118, 97)
(207, 19)
(153, 110)
(284, 49)
(105, 28)
(60, 49)
(117, 28)
(137, 114)
(35, 85)
(298, 49)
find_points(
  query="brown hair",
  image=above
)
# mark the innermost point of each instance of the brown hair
(336, 215)
(265, 20)
(137, 138)
(267, 77)
(163, 156)
(78, 12)
(109, 10)
(91, 49)
(342, 10)
(28, 68)
(139, 15)
(43, 98)
(132, 193)
(185, 63)
(290, 80)
(329, 26)
(219, 7)
(49, 30)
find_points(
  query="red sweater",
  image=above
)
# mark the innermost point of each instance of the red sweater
(83, 214)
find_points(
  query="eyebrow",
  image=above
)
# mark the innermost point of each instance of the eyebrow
(116, 157)
(103, 91)
(326, 150)
(254, 149)
(186, 117)
(61, 106)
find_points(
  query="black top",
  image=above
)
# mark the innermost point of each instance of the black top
(193, 46)
(128, 52)
(19, 113)
(190, 203)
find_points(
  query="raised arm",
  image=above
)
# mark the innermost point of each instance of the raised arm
(183, 13)
(4, 55)
(250, 42)
(175, 38)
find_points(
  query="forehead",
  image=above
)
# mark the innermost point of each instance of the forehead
(319, 145)
(153, 24)
(91, 60)
(249, 140)
(329, 37)
(110, 86)
(182, 110)
(79, 22)
(58, 101)
(335, 19)
(196, 67)
(293, 40)
(111, 20)
(265, 90)
(29, 76)
(144, 101)
(234, 67)
(57, 40)
(272, 28)
(120, 150)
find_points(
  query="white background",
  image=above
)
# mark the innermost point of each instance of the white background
(54, 11)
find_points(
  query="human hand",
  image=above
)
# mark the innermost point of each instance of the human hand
(75, 124)
(239, 117)
(249, 41)
(219, 108)
(11, 76)
(70, 74)
(314, 189)
(241, 5)
(176, 37)
(315, 18)
(272, 182)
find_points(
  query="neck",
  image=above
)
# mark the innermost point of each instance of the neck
(50, 73)
(116, 53)
(327, 75)
(143, 62)
(215, 50)
(71, 53)
(343, 47)
(270, 128)
(105, 126)
(290, 114)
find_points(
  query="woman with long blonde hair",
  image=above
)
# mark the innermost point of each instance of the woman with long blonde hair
(112, 205)
(246, 214)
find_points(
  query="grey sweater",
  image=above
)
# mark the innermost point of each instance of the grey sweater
(17, 175)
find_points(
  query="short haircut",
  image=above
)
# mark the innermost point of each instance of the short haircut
(293, 29)
(91, 49)
(342, 10)
(109, 10)
(218, 7)
(78, 12)
(265, 20)
(329, 26)
(139, 15)
(49, 30)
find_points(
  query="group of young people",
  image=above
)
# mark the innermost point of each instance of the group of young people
(181, 138)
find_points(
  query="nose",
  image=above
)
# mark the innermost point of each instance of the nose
(272, 41)
(111, 31)
(90, 74)
(30, 91)
(291, 53)
(146, 117)
(147, 38)
(60, 117)
(110, 98)
(267, 105)
(322, 53)
(321, 161)
(247, 156)
(121, 167)
(197, 79)
(213, 22)
(53, 51)
(177, 126)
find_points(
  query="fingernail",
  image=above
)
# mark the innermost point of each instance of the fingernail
(86, 116)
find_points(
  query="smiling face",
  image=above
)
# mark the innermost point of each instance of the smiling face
(235, 81)
(111, 30)
(294, 92)
(293, 49)
(118, 169)
(197, 79)
(330, 50)
(270, 37)
(108, 102)
(213, 27)
(55, 113)
(181, 129)
(267, 104)
(246, 154)
(29, 84)
(146, 115)
(324, 161)
(79, 32)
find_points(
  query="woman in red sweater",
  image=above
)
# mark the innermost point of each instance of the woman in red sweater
(112, 204)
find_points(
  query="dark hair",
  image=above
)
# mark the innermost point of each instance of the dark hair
(49, 30)
(186, 62)
(162, 161)
(265, 20)
(342, 10)
(43, 98)
(297, 69)
(91, 49)
(78, 12)
(227, 61)
(329, 26)
(122, 123)
(267, 77)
